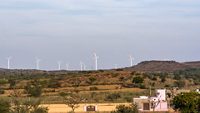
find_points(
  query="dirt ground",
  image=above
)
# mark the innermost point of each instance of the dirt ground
(62, 108)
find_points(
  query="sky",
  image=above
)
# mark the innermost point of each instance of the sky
(71, 30)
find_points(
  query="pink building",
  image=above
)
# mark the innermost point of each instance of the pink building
(157, 103)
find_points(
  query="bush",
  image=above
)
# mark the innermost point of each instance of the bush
(126, 109)
(187, 102)
(128, 99)
(177, 77)
(137, 80)
(53, 83)
(3, 81)
(4, 106)
(93, 88)
(27, 106)
(2, 91)
(142, 86)
(163, 79)
(12, 83)
(115, 75)
(154, 79)
(40, 110)
(91, 80)
(34, 89)
(179, 84)
(112, 97)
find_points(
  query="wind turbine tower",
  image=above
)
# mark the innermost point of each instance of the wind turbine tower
(67, 66)
(131, 60)
(96, 61)
(59, 65)
(84, 66)
(81, 64)
(38, 63)
(8, 61)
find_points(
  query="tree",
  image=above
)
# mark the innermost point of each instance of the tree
(187, 102)
(4, 106)
(126, 109)
(179, 83)
(12, 83)
(34, 89)
(54, 83)
(113, 96)
(27, 106)
(72, 100)
(91, 80)
(138, 80)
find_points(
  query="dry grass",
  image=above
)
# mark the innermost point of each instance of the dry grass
(62, 108)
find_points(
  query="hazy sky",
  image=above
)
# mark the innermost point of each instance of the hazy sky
(70, 30)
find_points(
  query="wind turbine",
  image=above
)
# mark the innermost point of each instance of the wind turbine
(37, 63)
(82, 66)
(8, 61)
(67, 66)
(131, 60)
(96, 61)
(59, 65)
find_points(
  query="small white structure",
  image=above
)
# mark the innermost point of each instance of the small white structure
(157, 103)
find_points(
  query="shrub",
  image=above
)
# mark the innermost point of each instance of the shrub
(53, 83)
(137, 80)
(163, 79)
(113, 96)
(27, 106)
(167, 85)
(91, 80)
(115, 74)
(34, 89)
(93, 88)
(126, 109)
(4, 106)
(2, 91)
(142, 86)
(177, 77)
(179, 83)
(3, 81)
(154, 79)
(40, 110)
(187, 102)
(12, 83)
(128, 99)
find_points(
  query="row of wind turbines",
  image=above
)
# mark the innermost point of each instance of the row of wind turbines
(82, 65)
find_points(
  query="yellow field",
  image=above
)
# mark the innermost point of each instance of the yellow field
(102, 107)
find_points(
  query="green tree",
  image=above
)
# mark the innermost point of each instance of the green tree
(126, 109)
(179, 83)
(12, 83)
(27, 106)
(34, 89)
(4, 106)
(187, 102)
(138, 80)
(112, 96)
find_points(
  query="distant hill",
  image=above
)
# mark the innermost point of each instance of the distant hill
(163, 66)
(145, 66)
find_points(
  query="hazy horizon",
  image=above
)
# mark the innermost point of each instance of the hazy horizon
(71, 30)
